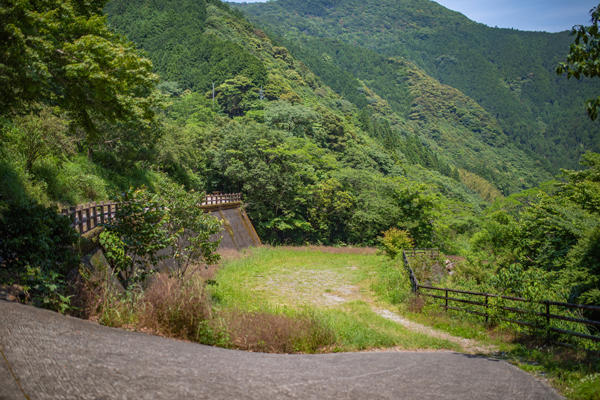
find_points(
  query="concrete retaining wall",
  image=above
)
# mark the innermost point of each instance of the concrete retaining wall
(238, 232)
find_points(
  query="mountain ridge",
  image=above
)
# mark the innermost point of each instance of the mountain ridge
(509, 72)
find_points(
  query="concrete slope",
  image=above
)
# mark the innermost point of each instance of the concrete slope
(49, 356)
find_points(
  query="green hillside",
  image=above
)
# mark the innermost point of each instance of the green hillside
(510, 73)
(311, 165)
(213, 44)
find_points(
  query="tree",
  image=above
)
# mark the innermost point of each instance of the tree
(62, 53)
(584, 57)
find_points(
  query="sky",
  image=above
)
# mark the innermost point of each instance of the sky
(530, 15)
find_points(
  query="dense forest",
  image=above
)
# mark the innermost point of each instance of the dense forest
(510, 73)
(324, 150)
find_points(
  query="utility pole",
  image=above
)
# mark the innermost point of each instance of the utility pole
(213, 95)
(261, 94)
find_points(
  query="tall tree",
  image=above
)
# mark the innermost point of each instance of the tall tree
(584, 57)
(62, 53)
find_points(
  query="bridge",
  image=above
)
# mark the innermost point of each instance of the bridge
(238, 231)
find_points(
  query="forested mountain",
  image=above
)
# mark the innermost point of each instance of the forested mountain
(85, 116)
(414, 115)
(510, 73)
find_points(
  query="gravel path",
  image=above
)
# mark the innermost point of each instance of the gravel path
(48, 356)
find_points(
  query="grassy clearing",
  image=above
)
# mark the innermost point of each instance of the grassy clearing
(335, 288)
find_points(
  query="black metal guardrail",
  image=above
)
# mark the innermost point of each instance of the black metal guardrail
(482, 302)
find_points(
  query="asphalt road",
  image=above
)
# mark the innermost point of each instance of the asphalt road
(48, 356)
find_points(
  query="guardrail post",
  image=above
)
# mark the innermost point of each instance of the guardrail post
(487, 314)
(547, 312)
(446, 306)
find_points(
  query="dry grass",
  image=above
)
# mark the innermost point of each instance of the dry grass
(175, 308)
(276, 333)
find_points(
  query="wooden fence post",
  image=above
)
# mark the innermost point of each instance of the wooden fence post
(80, 220)
(88, 219)
(102, 213)
(95, 214)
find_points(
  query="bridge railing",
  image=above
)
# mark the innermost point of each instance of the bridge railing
(514, 310)
(85, 217)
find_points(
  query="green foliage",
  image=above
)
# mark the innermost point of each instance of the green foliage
(393, 241)
(150, 227)
(543, 244)
(583, 56)
(136, 235)
(37, 250)
(510, 73)
(61, 52)
(190, 227)
(236, 95)
(177, 37)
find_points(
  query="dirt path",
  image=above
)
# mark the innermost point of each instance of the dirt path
(307, 286)
(469, 345)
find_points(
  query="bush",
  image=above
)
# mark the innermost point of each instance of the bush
(37, 250)
(133, 239)
(394, 240)
(191, 229)
(148, 223)
(178, 309)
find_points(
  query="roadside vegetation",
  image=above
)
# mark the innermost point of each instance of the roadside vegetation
(85, 117)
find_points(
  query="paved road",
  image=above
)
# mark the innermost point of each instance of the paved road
(49, 356)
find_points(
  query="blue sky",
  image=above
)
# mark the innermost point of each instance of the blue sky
(531, 15)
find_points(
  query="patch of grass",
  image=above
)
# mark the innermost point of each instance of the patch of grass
(357, 327)
(303, 279)
(391, 284)
(575, 373)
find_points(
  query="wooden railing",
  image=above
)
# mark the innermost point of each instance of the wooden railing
(221, 198)
(86, 217)
(480, 305)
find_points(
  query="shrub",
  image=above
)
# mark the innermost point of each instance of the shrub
(394, 240)
(135, 236)
(37, 250)
(190, 228)
(147, 223)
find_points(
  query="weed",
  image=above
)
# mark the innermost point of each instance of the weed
(176, 308)
(277, 332)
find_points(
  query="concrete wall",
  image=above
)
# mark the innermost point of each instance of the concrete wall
(238, 232)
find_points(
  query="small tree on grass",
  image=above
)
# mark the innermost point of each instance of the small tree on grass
(190, 227)
(393, 241)
(136, 235)
(147, 223)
